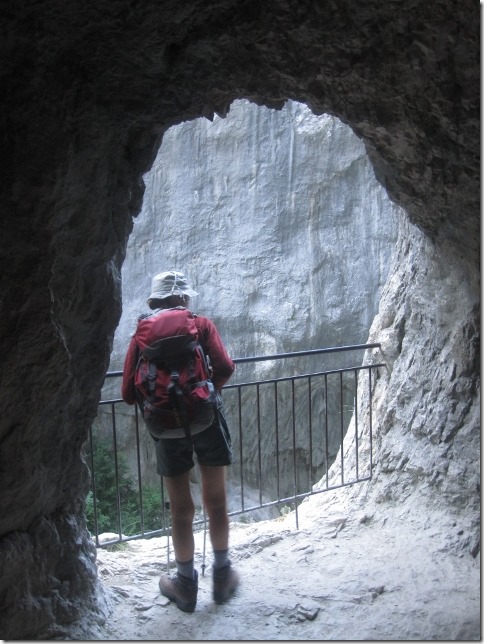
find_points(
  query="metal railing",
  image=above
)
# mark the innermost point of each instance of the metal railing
(287, 432)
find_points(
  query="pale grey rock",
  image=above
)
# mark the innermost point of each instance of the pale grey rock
(225, 202)
(386, 581)
(426, 439)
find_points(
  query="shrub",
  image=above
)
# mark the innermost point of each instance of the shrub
(128, 518)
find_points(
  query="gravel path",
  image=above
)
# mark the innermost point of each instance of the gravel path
(341, 575)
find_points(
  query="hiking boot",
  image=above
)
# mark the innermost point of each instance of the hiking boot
(225, 582)
(181, 590)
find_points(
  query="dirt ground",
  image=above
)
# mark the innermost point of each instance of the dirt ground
(339, 576)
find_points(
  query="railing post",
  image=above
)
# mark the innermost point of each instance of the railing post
(259, 447)
(355, 415)
(138, 459)
(310, 425)
(276, 420)
(116, 472)
(342, 431)
(93, 487)
(294, 453)
(370, 398)
(326, 430)
(241, 447)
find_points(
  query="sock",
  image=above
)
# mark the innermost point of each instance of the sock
(221, 558)
(186, 568)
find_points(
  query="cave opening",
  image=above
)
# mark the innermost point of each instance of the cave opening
(284, 201)
(282, 228)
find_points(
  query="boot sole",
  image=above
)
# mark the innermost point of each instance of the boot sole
(185, 607)
(221, 598)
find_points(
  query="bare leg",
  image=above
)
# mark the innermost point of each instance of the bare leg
(215, 501)
(182, 513)
(225, 578)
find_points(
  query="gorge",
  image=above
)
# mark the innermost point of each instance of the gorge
(233, 220)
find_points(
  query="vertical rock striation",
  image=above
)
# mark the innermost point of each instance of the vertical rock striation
(279, 221)
(429, 435)
(277, 218)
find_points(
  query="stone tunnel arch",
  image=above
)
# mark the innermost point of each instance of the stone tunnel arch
(89, 91)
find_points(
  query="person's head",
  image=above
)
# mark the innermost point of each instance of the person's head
(170, 289)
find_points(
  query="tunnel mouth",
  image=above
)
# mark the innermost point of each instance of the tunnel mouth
(206, 191)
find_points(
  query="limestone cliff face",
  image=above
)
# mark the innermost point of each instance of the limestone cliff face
(279, 221)
(277, 218)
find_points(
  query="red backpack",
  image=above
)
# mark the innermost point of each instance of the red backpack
(172, 377)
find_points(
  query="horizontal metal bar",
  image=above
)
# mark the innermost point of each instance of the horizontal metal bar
(108, 402)
(113, 374)
(304, 375)
(280, 356)
(309, 352)
(301, 495)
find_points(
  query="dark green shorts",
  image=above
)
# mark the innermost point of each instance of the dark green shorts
(212, 446)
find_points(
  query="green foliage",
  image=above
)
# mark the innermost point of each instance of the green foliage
(286, 509)
(126, 498)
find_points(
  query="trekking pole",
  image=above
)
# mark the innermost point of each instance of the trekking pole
(204, 540)
(168, 531)
(165, 510)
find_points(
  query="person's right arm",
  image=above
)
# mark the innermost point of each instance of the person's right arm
(128, 391)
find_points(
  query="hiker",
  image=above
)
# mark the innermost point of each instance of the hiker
(174, 453)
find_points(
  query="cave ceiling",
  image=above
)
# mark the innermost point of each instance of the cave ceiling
(404, 75)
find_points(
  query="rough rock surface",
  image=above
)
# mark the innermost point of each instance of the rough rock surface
(88, 88)
(428, 437)
(273, 214)
(345, 573)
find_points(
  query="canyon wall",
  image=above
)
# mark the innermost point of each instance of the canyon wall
(279, 221)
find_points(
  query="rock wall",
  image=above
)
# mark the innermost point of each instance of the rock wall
(88, 90)
(426, 438)
(286, 234)
(429, 436)
(277, 218)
